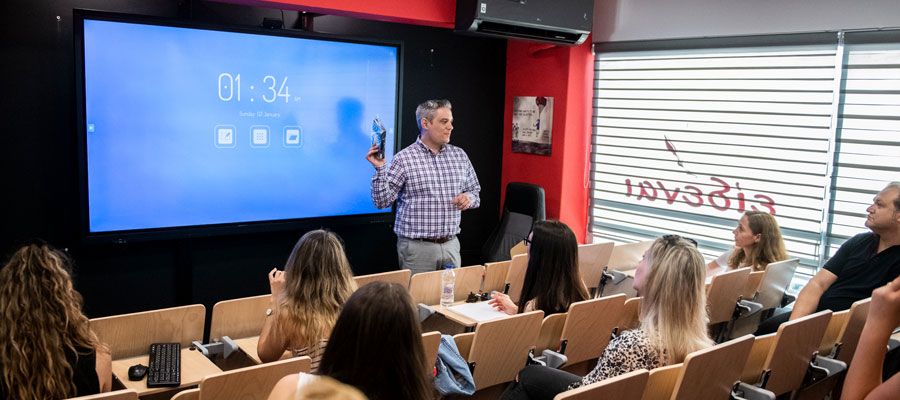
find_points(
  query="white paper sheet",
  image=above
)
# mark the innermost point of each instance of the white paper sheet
(481, 311)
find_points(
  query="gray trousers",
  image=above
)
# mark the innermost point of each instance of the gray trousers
(421, 256)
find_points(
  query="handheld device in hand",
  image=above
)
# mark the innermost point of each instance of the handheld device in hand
(378, 136)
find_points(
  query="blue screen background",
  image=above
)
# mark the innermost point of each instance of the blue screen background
(154, 155)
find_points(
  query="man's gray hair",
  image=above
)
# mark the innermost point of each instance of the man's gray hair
(895, 184)
(427, 109)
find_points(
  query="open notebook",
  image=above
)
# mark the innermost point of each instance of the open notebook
(481, 311)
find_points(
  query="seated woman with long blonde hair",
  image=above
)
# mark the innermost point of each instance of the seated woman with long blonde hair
(47, 348)
(757, 243)
(670, 278)
(307, 298)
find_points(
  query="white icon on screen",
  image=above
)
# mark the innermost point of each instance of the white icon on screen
(224, 136)
(293, 136)
(259, 136)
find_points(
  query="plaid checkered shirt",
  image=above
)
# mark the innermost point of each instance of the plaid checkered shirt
(424, 185)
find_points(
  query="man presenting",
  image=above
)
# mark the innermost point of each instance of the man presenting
(864, 263)
(432, 182)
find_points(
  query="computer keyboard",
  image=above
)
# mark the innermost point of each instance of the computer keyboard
(165, 365)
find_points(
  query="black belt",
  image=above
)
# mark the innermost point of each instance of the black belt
(437, 240)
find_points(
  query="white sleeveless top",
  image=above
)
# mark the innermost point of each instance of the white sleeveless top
(303, 379)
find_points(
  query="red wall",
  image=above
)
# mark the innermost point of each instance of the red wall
(564, 73)
(438, 13)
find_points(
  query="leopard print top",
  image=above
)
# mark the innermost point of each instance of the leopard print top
(627, 352)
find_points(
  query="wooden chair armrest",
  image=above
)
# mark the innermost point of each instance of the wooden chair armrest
(661, 382)
(464, 343)
(551, 331)
(757, 359)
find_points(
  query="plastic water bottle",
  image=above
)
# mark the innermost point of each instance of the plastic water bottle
(448, 279)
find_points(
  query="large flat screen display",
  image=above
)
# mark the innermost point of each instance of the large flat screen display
(186, 126)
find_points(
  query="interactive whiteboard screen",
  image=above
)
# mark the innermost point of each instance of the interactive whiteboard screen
(188, 126)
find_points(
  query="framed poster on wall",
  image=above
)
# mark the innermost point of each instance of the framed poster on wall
(532, 130)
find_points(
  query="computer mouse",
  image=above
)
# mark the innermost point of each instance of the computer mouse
(137, 372)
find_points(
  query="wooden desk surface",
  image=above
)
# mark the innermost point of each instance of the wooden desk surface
(194, 367)
(456, 318)
(248, 346)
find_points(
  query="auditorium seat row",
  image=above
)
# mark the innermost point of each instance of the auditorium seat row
(498, 349)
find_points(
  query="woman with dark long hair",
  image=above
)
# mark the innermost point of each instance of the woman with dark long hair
(375, 346)
(306, 298)
(552, 279)
(47, 348)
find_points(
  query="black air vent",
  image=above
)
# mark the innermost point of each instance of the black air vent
(527, 33)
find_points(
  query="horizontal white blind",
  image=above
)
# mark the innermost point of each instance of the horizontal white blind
(868, 140)
(685, 141)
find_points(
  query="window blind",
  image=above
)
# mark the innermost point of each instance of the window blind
(868, 138)
(684, 141)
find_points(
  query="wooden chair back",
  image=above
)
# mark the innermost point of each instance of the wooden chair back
(495, 275)
(251, 383)
(519, 248)
(723, 292)
(589, 327)
(431, 341)
(625, 257)
(400, 276)
(500, 347)
(551, 330)
(425, 287)
(128, 394)
(776, 280)
(711, 373)
(239, 318)
(752, 288)
(787, 353)
(631, 314)
(130, 335)
(516, 276)
(850, 331)
(591, 260)
(628, 386)
(661, 382)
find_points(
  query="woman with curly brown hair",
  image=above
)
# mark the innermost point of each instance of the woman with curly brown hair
(307, 298)
(47, 348)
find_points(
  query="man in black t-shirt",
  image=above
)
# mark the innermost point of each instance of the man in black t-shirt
(864, 263)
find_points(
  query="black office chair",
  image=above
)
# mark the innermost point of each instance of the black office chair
(522, 207)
